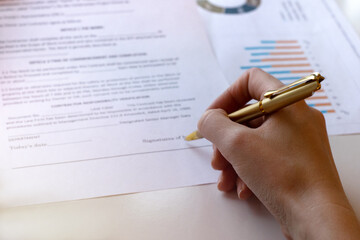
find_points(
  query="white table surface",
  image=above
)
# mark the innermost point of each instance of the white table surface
(199, 212)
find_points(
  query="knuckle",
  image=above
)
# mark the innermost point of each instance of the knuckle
(214, 163)
(254, 71)
(238, 139)
(318, 115)
(217, 164)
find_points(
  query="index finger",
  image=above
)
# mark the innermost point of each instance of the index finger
(251, 85)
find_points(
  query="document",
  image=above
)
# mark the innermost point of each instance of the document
(96, 97)
(291, 39)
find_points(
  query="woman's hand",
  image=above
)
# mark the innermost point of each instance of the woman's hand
(284, 159)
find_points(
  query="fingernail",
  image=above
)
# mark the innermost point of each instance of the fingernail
(219, 179)
(243, 193)
(239, 190)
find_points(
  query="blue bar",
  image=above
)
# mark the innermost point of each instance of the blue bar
(264, 66)
(280, 72)
(289, 78)
(255, 60)
(311, 105)
(324, 111)
(260, 54)
(259, 48)
(267, 42)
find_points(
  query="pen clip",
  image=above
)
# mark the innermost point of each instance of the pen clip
(301, 82)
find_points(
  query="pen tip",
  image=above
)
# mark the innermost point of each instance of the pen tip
(193, 136)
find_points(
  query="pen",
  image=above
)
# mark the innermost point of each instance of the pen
(274, 100)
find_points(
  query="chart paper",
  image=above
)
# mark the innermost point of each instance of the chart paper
(291, 39)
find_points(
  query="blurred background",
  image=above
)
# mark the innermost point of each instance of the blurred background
(351, 9)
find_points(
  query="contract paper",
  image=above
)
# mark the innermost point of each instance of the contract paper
(96, 97)
(291, 39)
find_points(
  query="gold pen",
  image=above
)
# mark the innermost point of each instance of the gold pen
(274, 101)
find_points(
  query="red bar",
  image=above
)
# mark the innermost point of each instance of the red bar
(283, 59)
(286, 41)
(303, 71)
(317, 97)
(291, 65)
(322, 104)
(287, 53)
(287, 47)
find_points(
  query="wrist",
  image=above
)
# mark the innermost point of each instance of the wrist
(322, 213)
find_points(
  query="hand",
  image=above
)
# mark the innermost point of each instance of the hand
(284, 159)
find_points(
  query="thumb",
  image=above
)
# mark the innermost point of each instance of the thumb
(216, 127)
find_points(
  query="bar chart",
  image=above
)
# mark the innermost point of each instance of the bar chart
(288, 61)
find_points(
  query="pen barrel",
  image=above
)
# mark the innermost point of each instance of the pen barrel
(247, 113)
(290, 97)
(270, 105)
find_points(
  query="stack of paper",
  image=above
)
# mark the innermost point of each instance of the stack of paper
(96, 96)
